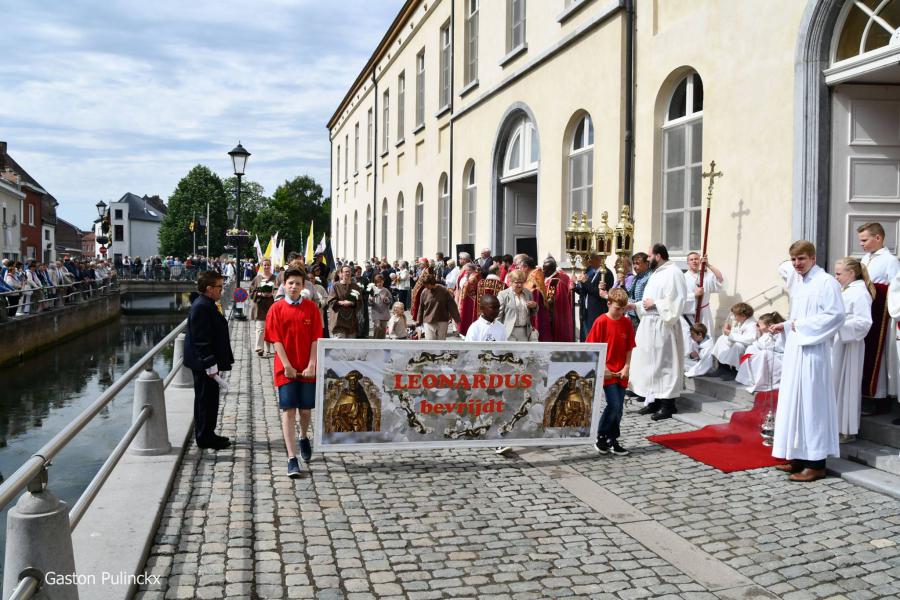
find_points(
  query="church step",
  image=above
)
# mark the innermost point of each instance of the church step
(866, 477)
(881, 457)
(693, 402)
(878, 429)
(719, 389)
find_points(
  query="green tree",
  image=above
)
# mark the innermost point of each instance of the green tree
(199, 187)
(293, 206)
(253, 200)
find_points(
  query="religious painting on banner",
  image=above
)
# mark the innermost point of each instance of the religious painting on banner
(392, 394)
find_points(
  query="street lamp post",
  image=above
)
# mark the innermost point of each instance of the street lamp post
(239, 156)
(102, 239)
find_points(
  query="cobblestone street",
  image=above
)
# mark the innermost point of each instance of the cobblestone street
(539, 523)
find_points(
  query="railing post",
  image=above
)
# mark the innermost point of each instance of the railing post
(4, 309)
(39, 538)
(184, 378)
(153, 438)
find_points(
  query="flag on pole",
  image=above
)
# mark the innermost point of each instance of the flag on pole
(309, 246)
(320, 249)
(259, 252)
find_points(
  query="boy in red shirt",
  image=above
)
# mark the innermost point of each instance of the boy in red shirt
(294, 325)
(618, 335)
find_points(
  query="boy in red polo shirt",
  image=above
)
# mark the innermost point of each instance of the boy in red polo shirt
(294, 325)
(618, 335)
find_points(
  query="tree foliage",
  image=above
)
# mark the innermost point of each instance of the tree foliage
(293, 206)
(199, 187)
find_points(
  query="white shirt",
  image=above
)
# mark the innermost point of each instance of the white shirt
(484, 331)
(882, 265)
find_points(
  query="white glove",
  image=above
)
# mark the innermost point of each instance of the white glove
(213, 370)
(223, 387)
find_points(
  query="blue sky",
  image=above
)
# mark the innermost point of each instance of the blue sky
(103, 97)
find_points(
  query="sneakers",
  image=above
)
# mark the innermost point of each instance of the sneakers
(501, 450)
(305, 449)
(619, 450)
(293, 470)
(601, 446)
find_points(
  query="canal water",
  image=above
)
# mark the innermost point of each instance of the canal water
(42, 394)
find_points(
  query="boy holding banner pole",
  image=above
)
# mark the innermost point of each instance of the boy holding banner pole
(294, 326)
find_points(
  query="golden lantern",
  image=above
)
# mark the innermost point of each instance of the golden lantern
(623, 237)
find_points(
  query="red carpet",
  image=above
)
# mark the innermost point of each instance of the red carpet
(735, 446)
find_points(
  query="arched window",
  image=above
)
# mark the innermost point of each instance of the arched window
(384, 225)
(355, 235)
(866, 26)
(400, 226)
(444, 212)
(682, 154)
(368, 247)
(581, 168)
(420, 221)
(345, 236)
(522, 153)
(469, 198)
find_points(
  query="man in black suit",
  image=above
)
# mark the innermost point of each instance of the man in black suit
(207, 351)
(587, 286)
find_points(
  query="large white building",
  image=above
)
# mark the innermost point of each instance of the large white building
(490, 121)
(134, 228)
(11, 200)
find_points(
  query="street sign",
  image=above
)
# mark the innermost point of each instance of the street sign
(103, 250)
(240, 295)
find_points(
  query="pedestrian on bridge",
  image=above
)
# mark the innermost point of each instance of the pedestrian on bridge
(207, 352)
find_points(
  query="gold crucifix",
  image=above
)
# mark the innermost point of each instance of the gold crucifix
(712, 174)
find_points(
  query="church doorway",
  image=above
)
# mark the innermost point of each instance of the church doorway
(516, 200)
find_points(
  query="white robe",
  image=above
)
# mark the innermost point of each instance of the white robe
(848, 354)
(894, 311)
(883, 267)
(806, 419)
(703, 365)
(657, 365)
(761, 372)
(730, 348)
(711, 285)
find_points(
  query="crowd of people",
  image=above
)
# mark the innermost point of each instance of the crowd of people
(173, 268)
(645, 309)
(32, 286)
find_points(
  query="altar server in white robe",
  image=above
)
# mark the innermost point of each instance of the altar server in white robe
(698, 360)
(806, 419)
(883, 266)
(849, 344)
(761, 371)
(894, 311)
(739, 332)
(713, 283)
(658, 360)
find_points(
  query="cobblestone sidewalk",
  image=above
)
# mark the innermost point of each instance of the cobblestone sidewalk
(558, 523)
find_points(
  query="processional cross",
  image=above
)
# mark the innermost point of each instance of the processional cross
(711, 175)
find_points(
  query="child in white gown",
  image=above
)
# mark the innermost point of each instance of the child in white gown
(761, 371)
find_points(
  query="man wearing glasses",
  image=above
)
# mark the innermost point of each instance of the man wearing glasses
(207, 351)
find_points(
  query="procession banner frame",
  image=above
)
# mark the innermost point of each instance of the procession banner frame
(372, 351)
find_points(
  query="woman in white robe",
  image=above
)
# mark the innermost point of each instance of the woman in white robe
(849, 349)
(761, 371)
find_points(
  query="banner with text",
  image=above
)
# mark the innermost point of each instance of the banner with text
(373, 394)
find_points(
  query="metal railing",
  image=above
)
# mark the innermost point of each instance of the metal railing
(36, 300)
(32, 475)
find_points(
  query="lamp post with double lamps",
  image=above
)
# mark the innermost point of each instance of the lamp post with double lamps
(103, 238)
(239, 156)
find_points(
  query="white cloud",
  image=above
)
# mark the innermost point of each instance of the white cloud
(107, 97)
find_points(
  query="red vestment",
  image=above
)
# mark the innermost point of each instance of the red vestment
(468, 302)
(559, 302)
(541, 319)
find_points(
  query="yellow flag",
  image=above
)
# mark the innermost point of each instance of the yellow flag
(268, 254)
(310, 247)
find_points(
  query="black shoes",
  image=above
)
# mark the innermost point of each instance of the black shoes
(650, 408)
(305, 449)
(618, 450)
(601, 447)
(666, 410)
